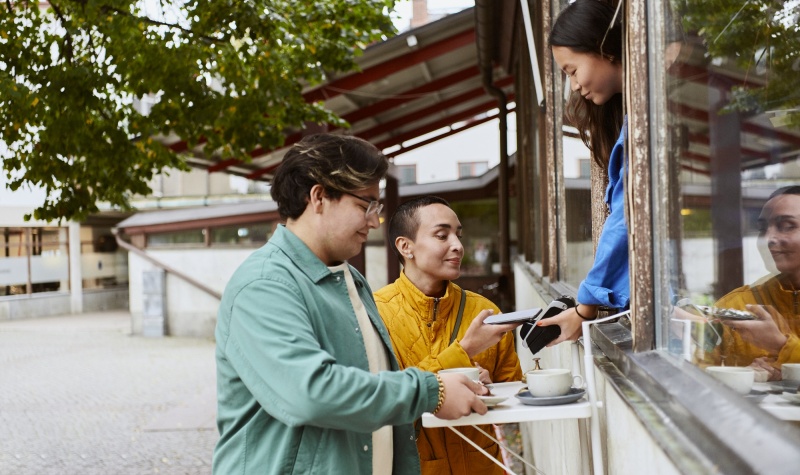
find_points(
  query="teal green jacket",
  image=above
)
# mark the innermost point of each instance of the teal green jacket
(294, 391)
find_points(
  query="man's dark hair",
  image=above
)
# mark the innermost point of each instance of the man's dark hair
(340, 163)
(405, 221)
(786, 190)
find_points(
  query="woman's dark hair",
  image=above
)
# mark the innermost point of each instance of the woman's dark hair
(405, 221)
(340, 163)
(583, 27)
(786, 190)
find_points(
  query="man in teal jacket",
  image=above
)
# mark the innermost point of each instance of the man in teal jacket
(306, 377)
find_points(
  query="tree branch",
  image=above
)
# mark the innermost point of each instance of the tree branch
(68, 36)
(148, 20)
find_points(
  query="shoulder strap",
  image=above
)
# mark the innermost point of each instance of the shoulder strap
(460, 314)
(757, 295)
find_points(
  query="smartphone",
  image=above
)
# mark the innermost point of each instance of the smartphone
(535, 337)
(527, 315)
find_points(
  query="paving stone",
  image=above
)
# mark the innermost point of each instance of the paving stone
(78, 393)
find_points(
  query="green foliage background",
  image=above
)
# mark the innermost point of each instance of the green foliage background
(227, 73)
(762, 37)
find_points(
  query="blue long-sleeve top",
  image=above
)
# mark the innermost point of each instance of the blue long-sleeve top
(608, 281)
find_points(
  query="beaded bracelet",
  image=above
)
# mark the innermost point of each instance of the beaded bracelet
(441, 394)
(579, 313)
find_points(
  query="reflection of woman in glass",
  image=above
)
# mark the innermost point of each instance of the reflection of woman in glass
(586, 40)
(772, 339)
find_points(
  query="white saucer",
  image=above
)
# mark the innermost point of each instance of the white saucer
(756, 396)
(525, 397)
(492, 401)
(777, 387)
(794, 398)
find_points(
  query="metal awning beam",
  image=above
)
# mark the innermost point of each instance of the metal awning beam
(469, 125)
(429, 111)
(391, 66)
(449, 120)
(404, 97)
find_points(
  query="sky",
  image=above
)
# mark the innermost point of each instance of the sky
(402, 13)
(480, 143)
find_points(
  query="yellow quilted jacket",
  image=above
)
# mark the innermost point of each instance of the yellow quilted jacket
(420, 329)
(736, 351)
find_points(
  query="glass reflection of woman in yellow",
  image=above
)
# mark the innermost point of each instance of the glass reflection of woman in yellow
(773, 338)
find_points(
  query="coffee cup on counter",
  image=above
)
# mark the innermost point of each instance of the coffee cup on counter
(790, 371)
(551, 382)
(737, 378)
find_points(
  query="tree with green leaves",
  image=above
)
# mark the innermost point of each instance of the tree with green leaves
(763, 37)
(225, 74)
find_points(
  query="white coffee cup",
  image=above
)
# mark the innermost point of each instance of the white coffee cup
(471, 372)
(551, 382)
(738, 378)
(790, 371)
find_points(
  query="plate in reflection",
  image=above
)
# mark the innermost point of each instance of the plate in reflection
(793, 398)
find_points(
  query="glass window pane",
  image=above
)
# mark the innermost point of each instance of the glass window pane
(39, 256)
(733, 138)
(253, 234)
(479, 219)
(103, 263)
(468, 169)
(407, 174)
(178, 238)
(578, 199)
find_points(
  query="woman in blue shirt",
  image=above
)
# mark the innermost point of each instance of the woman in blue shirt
(586, 41)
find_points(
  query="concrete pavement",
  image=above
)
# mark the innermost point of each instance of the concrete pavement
(79, 395)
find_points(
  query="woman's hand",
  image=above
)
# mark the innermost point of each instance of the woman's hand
(570, 323)
(480, 336)
(762, 332)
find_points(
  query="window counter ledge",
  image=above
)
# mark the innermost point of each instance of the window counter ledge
(702, 426)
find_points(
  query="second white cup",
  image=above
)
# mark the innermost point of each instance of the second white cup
(472, 373)
(790, 371)
(551, 382)
(737, 378)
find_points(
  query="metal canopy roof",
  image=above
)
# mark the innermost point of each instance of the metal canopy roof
(415, 88)
(696, 87)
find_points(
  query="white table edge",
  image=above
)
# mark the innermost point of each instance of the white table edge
(512, 411)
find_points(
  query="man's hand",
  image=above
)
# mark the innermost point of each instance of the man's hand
(460, 397)
(480, 336)
(762, 332)
(765, 371)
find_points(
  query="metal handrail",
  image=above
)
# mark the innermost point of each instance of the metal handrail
(144, 255)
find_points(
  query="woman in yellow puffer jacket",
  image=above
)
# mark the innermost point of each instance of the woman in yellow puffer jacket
(773, 338)
(420, 311)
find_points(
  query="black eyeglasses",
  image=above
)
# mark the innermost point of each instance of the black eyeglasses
(373, 207)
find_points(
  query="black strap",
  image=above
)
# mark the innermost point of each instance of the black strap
(458, 318)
